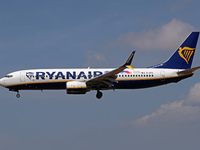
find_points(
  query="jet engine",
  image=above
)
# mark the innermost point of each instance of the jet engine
(75, 87)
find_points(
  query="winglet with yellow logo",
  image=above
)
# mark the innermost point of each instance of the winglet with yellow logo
(128, 62)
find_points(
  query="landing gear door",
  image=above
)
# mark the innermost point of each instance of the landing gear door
(22, 76)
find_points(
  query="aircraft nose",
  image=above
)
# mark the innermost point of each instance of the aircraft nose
(2, 82)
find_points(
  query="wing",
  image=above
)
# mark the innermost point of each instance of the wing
(106, 80)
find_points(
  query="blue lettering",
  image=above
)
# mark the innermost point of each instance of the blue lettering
(73, 76)
(50, 74)
(69, 75)
(97, 73)
(89, 75)
(40, 74)
(82, 74)
(60, 75)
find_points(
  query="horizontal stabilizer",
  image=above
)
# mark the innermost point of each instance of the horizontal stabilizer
(188, 71)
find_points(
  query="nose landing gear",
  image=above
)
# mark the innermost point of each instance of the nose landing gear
(99, 94)
(18, 95)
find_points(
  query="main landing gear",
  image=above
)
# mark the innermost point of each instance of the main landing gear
(99, 94)
(18, 95)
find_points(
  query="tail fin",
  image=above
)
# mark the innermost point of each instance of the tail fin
(183, 56)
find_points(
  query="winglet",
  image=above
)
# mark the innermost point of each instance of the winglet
(128, 62)
(129, 67)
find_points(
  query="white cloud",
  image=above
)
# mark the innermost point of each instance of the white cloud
(183, 111)
(94, 58)
(194, 95)
(167, 37)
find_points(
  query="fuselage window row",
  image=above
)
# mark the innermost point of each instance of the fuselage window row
(135, 76)
(120, 76)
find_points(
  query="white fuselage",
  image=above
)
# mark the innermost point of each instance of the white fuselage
(57, 78)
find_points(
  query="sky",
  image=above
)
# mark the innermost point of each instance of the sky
(102, 34)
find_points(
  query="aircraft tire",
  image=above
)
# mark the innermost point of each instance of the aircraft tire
(18, 95)
(99, 94)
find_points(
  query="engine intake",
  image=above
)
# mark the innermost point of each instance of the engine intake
(76, 87)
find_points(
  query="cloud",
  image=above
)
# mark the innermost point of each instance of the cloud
(177, 112)
(94, 58)
(165, 37)
(194, 95)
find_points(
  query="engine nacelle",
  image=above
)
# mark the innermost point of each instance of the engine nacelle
(75, 87)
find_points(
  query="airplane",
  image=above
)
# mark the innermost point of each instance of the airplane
(81, 81)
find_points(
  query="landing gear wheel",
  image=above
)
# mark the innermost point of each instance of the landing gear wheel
(18, 95)
(99, 94)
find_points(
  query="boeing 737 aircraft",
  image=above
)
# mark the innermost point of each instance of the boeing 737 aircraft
(80, 81)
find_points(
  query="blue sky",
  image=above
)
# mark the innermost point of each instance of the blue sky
(78, 34)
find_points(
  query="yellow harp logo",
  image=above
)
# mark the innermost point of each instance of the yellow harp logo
(186, 53)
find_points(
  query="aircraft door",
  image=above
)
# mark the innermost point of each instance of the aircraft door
(162, 75)
(22, 76)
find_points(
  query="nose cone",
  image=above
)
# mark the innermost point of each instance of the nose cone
(2, 83)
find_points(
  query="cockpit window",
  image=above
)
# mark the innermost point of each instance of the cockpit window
(9, 76)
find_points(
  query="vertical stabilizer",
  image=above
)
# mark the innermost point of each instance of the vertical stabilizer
(183, 56)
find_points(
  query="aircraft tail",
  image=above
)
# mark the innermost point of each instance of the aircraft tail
(183, 56)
